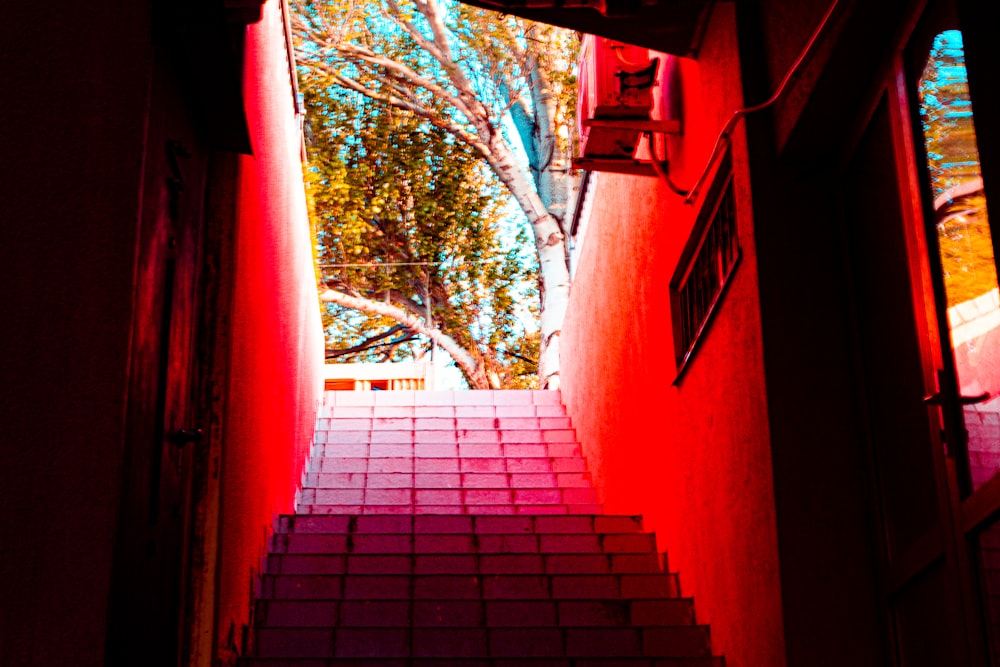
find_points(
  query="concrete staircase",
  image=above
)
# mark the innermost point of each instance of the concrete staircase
(441, 528)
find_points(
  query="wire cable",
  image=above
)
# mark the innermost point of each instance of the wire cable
(793, 72)
(662, 167)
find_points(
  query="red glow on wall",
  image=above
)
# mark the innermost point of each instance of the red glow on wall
(693, 458)
(277, 354)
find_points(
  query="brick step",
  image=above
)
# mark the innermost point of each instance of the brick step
(481, 662)
(321, 463)
(464, 510)
(414, 423)
(606, 642)
(469, 587)
(447, 480)
(492, 613)
(447, 436)
(446, 398)
(440, 411)
(578, 524)
(458, 543)
(448, 496)
(482, 564)
(430, 450)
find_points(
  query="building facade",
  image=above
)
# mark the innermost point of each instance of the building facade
(771, 355)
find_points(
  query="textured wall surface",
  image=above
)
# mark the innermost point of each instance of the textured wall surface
(693, 458)
(277, 347)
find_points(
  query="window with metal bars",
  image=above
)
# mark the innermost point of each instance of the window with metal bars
(707, 264)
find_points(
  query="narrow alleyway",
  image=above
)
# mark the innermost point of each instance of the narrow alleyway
(461, 528)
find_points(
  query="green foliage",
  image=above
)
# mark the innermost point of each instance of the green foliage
(522, 370)
(465, 77)
(953, 160)
(501, 56)
(946, 114)
(411, 208)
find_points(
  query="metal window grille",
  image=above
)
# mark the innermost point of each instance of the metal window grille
(710, 258)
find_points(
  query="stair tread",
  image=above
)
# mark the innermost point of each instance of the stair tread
(470, 586)
(421, 480)
(462, 528)
(442, 411)
(503, 509)
(323, 464)
(606, 642)
(467, 613)
(481, 524)
(693, 627)
(544, 563)
(487, 662)
(400, 448)
(335, 422)
(553, 543)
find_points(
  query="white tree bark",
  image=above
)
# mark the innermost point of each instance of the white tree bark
(550, 246)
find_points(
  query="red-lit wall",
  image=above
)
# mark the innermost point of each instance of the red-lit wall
(275, 377)
(693, 458)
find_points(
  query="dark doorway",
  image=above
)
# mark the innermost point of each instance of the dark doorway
(147, 589)
(916, 218)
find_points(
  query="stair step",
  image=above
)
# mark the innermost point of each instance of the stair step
(373, 422)
(468, 491)
(428, 642)
(322, 463)
(462, 529)
(482, 564)
(441, 398)
(454, 509)
(445, 436)
(579, 524)
(491, 613)
(447, 480)
(468, 587)
(428, 543)
(441, 411)
(484, 662)
(482, 450)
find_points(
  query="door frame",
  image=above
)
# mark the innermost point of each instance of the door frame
(154, 536)
(959, 518)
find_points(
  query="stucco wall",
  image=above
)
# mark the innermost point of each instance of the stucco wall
(693, 458)
(277, 348)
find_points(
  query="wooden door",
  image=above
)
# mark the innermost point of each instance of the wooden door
(147, 588)
(927, 321)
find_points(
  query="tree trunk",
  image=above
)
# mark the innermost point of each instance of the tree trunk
(550, 244)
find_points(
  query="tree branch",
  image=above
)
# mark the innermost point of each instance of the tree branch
(472, 369)
(466, 103)
(533, 362)
(415, 107)
(373, 341)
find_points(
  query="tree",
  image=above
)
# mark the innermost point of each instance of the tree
(964, 239)
(408, 225)
(463, 71)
